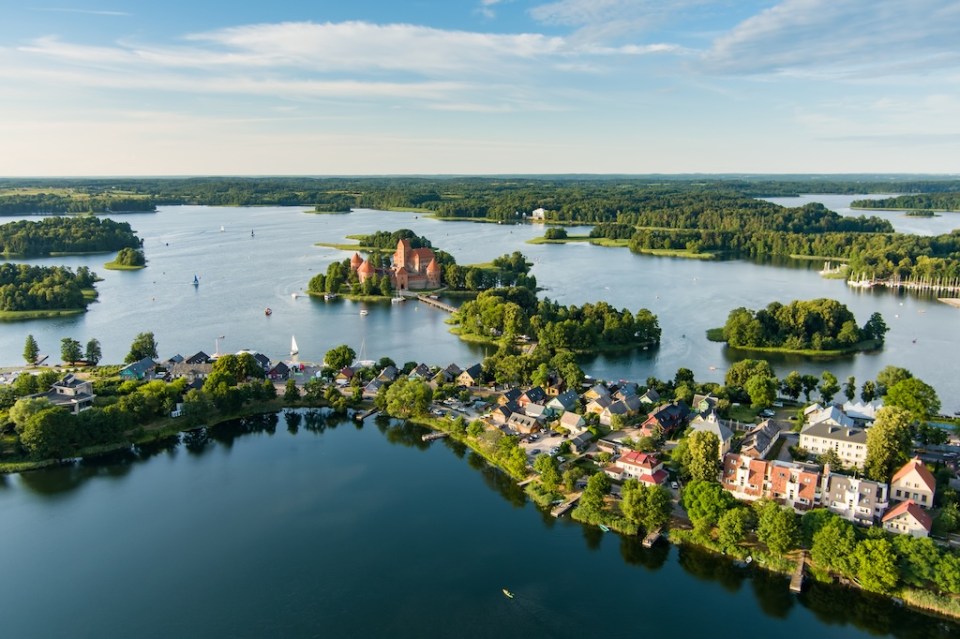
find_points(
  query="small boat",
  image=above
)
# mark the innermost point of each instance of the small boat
(398, 300)
(221, 228)
(363, 312)
(268, 311)
(294, 349)
(329, 296)
(508, 593)
(604, 528)
(251, 233)
(196, 281)
(294, 295)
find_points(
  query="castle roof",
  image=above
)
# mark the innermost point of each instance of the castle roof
(433, 267)
(356, 261)
(365, 267)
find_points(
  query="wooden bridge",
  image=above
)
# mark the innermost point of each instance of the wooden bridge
(565, 506)
(367, 413)
(437, 434)
(437, 303)
(651, 538)
(796, 581)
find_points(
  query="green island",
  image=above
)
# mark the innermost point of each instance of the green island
(65, 235)
(921, 213)
(75, 199)
(806, 327)
(32, 292)
(941, 201)
(128, 259)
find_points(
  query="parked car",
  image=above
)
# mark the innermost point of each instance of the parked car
(534, 452)
(766, 412)
(674, 485)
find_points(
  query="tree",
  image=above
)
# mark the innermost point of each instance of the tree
(809, 383)
(831, 457)
(876, 565)
(703, 453)
(30, 350)
(918, 398)
(732, 528)
(762, 390)
(829, 386)
(947, 574)
(850, 388)
(197, 407)
(143, 345)
(888, 443)
(738, 374)
(869, 391)
(917, 559)
(92, 353)
(408, 398)
(645, 506)
(705, 502)
(776, 527)
(570, 477)
(792, 385)
(889, 376)
(591, 501)
(833, 546)
(549, 471)
(25, 408)
(70, 350)
(339, 357)
(290, 392)
(241, 366)
(47, 434)
(475, 429)
(875, 328)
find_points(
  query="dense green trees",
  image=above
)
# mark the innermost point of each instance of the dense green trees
(408, 398)
(914, 396)
(703, 454)
(776, 526)
(80, 234)
(646, 506)
(130, 257)
(888, 443)
(820, 324)
(92, 353)
(143, 345)
(339, 357)
(930, 201)
(70, 350)
(39, 288)
(548, 469)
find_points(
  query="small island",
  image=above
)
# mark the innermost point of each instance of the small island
(33, 292)
(65, 236)
(127, 259)
(949, 201)
(812, 327)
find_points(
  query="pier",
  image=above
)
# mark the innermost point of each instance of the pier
(429, 437)
(367, 413)
(560, 510)
(437, 304)
(796, 581)
(651, 538)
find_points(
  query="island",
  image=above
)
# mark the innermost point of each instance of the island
(32, 292)
(949, 201)
(128, 259)
(65, 235)
(811, 327)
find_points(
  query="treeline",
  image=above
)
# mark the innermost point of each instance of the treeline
(922, 201)
(820, 324)
(80, 234)
(387, 240)
(40, 288)
(19, 204)
(506, 313)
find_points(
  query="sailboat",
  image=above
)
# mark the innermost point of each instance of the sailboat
(196, 280)
(294, 349)
(364, 363)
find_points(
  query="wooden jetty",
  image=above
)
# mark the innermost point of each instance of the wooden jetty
(565, 506)
(651, 538)
(367, 413)
(437, 304)
(796, 581)
(437, 434)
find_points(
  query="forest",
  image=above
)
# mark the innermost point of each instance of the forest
(949, 201)
(819, 325)
(79, 234)
(42, 203)
(42, 288)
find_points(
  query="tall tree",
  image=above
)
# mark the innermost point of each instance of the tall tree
(732, 528)
(833, 546)
(889, 376)
(339, 357)
(876, 565)
(916, 397)
(92, 353)
(850, 388)
(888, 443)
(792, 385)
(546, 466)
(703, 454)
(30, 350)
(762, 390)
(829, 386)
(70, 350)
(776, 527)
(143, 345)
(869, 391)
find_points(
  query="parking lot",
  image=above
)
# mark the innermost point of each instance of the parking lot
(543, 442)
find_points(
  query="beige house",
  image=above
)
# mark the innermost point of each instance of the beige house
(850, 443)
(712, 424)
(908, 518)
(914, 482)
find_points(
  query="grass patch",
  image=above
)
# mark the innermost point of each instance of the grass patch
(926, 600)
(743, 414)
(540, 495)
(45, 314)
(564, 240)
(677, 253)
(715, 335)
(114, 266)
(345, 247)
(329, 212)
(866, 345)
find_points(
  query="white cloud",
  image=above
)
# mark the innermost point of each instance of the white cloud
(842, 38)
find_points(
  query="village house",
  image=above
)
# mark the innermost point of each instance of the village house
(71, 393)
(344, 376)
(522, 424)
(500, 414)
(581, 442)
(422, 371)
(650, 398)
(533, 396)
(596, 391)
(908, 518)
(791, 484)
(862, 413)
(412, 269)
(597, 405)
(624, 408)
(703, 405)
(538, 411)
(914, 482)
(555, 385)
(197, 358)
(509, 396)
(447, 375)
(644, 467)
(373, 387)
(759, 440)
(565, 401)
(848, 442)
(665, 420)
(388, 374)
(470, 376)
(572, 422)
(280, 372)
(861, 501)
(138, 370)
(711, 423)
(190, 372)
(626, 390)
(831, 415)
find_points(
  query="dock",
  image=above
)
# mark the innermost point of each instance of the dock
(796, 581)
(651, 538)
(437, 304)
(367, 413)
(437, 434)
(560, 510)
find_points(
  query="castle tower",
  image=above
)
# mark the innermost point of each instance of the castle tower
(355, 261)
(365, 270)
(433, 274)
(402, 254)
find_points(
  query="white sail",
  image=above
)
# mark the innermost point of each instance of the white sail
(293, 346)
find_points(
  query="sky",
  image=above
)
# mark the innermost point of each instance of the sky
(374, 87)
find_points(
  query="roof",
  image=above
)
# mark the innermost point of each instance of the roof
(198, 358)
(70, 381)
(651, 396)
(365, 267)
(422, 370)
(913, 509)
(567, 400)
(711, 424)
(637, 458)
(570, 419)
(139, 367)
(433, 267)
(916, 465)
(759, 438)
(473, 371)
(535, 394)
(837, 433)
(280, 367)
(830, 414)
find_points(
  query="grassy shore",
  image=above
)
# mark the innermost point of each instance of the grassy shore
(114, 266)
(44, 314)
(345, 247)
(311, 212)
(716, 335)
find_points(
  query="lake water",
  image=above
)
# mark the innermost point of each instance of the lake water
(241, 275)
(310, 528)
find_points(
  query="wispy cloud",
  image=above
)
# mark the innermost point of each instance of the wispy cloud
(603, 20)
(93, 12)
(842, 38)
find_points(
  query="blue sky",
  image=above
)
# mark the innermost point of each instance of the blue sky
(113, 87)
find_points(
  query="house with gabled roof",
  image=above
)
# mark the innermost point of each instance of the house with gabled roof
(665, 419)
(523, 424)
(791, 484)
(703, 405)
(712, 423)
(422, 371)
(760, 439)
(140, 369)
(597, 405)
(581, 442)
(538, 411)
(448, 375)
(650, 397)
(848, 442)
(908, 518)
(280, 372)
(344, 375)
(197, 358)
(71, 393)
(470, 376)
(388, 374)
(534, 395)
(372, 389)
(644, 467)
(626, 389)
(500, 414)
(565, 401)
(914, 481)
(572, 422)
(509, 396)
(596, 391)
(862, 413)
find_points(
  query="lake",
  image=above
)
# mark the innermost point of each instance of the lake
(241, 275)
(302, 526)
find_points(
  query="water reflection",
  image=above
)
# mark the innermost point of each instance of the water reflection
(633, 553)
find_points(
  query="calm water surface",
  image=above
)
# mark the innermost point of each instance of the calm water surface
(299, 527)
(241, 275)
